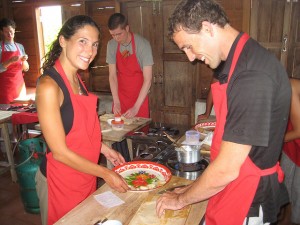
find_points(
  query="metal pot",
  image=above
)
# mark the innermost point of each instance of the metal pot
(188, 153)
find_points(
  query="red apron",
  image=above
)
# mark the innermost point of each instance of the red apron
(231, 206)
(11, 80)
(130, 81)
(68, 187)
(292, 148)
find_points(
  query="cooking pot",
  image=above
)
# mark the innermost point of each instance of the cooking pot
(188, 153)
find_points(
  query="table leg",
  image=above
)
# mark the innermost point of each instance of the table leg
(129, 144)
(8, 149)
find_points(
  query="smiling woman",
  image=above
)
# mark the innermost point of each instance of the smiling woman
(69, 121)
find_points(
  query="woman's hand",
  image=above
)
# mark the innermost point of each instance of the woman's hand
(114, 157)
(115, 181)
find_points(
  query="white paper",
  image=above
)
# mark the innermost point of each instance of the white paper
(108, 199)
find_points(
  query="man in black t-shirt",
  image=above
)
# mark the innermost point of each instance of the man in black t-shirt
(251, 101)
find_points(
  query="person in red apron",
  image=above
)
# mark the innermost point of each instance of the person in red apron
(13, 63)
(69, 122)
(290, 159)
(243, 181)
(130, 69)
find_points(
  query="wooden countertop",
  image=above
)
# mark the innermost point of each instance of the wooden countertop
(108, 134)
(138, 206)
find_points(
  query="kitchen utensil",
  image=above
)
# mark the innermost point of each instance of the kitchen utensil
(172, 139)
(170, 189)
(192, 137)
(188, 153)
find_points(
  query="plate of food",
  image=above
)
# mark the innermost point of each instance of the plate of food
(144, 175)
(205, 127)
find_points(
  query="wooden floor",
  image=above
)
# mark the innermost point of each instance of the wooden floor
(12, 211)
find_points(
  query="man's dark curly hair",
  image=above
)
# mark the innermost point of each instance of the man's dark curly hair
(189, 15)
(5, 22)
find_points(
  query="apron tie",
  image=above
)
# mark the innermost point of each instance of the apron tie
(275, 169)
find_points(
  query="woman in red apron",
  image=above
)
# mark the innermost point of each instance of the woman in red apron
(11, 80)
(290, 159)
(69, 122)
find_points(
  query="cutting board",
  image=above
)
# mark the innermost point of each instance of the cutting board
(135, 203)
(146, 214)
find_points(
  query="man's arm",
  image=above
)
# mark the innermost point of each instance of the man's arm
(147, 73)
(113, 82)
(220, 172)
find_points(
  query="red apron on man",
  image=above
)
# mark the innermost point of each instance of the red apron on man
(11, 80)
(130, 81)
(231, 205)
(67, 186)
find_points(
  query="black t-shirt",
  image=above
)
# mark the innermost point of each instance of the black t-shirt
(258, 100)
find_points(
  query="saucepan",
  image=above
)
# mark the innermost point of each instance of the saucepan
(188, 153)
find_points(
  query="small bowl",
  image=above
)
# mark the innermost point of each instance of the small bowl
(112, 222)
(117, 125)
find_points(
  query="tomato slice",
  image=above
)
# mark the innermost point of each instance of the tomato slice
(139, 182)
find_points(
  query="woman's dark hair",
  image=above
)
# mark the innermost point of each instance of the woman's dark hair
(189, 15)
(116, 20)
(5, 22)
(69, 28)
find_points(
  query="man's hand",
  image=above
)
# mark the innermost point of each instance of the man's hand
(24, 57)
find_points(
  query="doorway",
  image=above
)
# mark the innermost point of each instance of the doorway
(49, 22)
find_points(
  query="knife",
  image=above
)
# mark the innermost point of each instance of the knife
(171, 189)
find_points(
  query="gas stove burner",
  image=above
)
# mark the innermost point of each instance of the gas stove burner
(139, 133)
(161, 143)
(187, 167)
(160, 131)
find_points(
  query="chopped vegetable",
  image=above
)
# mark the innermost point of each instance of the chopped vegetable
(143, 181)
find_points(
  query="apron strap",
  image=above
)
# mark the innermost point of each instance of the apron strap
(277, 168)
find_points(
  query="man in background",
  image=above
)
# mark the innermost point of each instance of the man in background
(130, 69)
(13, 61)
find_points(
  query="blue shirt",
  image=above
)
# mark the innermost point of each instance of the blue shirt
(11, 47)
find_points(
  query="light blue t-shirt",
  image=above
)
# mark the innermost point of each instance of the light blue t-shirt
(11, 47)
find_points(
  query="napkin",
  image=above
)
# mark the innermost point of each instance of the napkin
(108, 199)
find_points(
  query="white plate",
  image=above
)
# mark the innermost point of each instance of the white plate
(112, 222)
(161, 172)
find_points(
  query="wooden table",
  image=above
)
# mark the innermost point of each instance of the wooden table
(5, 117)
(89, 211)
(110, 136)
(119, 135)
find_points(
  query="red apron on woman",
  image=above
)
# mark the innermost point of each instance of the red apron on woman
(11, 80)
(231, 205)
(292, 148)
(68, 187)
(130, 81)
